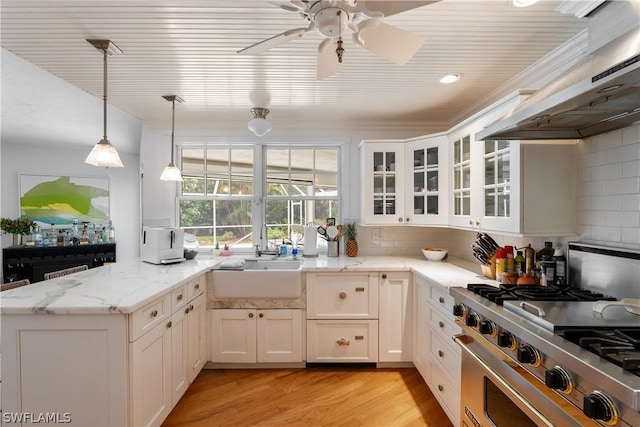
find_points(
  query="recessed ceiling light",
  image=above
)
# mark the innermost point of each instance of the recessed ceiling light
(450, 78)
(524, 3)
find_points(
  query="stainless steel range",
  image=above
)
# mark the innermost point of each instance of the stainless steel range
(541, 356)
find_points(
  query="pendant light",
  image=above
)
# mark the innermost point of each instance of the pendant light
(259, 124)
(104, 154)
(171, 172)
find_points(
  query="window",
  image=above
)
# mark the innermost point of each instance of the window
(229, 192)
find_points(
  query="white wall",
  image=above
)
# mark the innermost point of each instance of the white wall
(22, 158)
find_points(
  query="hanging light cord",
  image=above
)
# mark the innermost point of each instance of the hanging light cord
(173, 121)
(104, 94)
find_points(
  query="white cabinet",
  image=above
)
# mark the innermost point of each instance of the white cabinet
(435, 355)
(382, 178)
(197, 336)
(395, 319)
(256, 336)
(426, 189)
(342, 312)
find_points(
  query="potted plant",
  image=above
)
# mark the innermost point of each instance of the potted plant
(351, 247)
(18, 227)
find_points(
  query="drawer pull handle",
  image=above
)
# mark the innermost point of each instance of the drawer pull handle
(441, 324)
(186, 310)
(359, 337)
(343, 295)
(154, 313)
(384, 276)
(197, 286)
(343, 341)
(169, 324)
(441, 299)
(250, 315)
(440, 388)
(191, 307)
(440, 353)
(359, 289)
(261, 315)
(179, 297)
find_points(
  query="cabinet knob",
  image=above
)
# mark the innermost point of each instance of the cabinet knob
(441, 324)
(169, 324)
(250, 315)
(342, 341)
(441, 299)
(261, 315)
(343, 295)
(440, 353)
(400, 219)
(384, 276)
(408, 219)
(186, 310)
(440, 387)
(179, 297)
(191, 307)
(470, 222)
(154, 313)
(197, 286)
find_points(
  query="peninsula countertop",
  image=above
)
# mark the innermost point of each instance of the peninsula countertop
(125, 286)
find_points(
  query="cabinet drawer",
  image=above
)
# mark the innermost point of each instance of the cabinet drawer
(441, 299)
(342, 296)
(444, 323)
(196, 287)
(347, 341)
(447, 393)
(178, 298)
(147, 317)
(446, 355)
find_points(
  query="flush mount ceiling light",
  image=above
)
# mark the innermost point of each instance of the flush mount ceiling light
(524, 3)
(171, 172)
(104, 154)
(450, 78)
(259, 124)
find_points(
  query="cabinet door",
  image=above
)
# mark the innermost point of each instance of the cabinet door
(382, 166)
(342, 295)
(395, 332)
(151, 396)
(233, 336)
(179, 347)
(422, 327)
(279, 336)
(461, 169)
(342, 341)
(196, 354)
(426, 181)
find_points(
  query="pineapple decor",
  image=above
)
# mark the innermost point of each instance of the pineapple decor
(351, 247)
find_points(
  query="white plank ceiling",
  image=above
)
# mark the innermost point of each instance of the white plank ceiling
(188, 48)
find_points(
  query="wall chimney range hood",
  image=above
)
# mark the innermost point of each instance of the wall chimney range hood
(600, 94)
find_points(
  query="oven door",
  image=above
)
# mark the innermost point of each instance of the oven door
(497, 391)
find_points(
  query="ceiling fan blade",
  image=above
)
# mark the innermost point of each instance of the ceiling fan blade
(388, 41)
(388, 8)
(328, 64)
(274, 41)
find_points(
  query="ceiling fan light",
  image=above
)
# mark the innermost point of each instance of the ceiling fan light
(104, 155)
(171, 173)
(450, 78)
(524, 3)
(259, 125)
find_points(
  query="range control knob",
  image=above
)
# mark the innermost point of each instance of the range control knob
(487, 327)
(507, 340)
(460, 310)
(528, 354)
(473, 320)
(599, 407)
(558, 379)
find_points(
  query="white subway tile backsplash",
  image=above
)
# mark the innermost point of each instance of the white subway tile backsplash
(622, 186)
(630, 202)
(622, 219)
(591, 218)
(623, 154)
(606, 203)
(606, 172)
(631, 236)
(631, 168)
(607, 141)
(584, 203)
(594, 188)
(606, 234)
(631, 135)
(592, 159)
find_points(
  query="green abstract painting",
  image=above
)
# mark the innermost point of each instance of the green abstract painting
(59, 199)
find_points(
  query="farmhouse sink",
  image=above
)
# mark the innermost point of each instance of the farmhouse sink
(260, 279)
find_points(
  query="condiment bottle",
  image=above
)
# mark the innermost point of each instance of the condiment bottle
(510, 262)
(501, 262)
(547, 252)
(528, 259)
(560, 267)
(520, 263)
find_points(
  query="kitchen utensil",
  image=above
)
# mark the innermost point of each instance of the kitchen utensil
(322, 231)
(332, 232)
(632, 305)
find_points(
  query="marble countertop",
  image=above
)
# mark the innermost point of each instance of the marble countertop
(125, 286)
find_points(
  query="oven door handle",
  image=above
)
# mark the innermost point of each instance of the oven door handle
(461, 340)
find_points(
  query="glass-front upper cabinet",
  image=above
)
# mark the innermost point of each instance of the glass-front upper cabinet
(497, 179)
(382, 171)
(426, 182)
(462, 176)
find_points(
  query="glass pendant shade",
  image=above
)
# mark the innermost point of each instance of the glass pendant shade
(259, 125)
(171, 173)
(104, 155)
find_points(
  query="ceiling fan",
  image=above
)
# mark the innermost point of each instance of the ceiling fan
(333, 19)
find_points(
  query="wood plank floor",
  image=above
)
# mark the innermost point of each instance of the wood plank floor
(316, 396)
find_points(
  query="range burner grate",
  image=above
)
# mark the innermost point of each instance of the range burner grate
(619, 346)
(535, 293)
